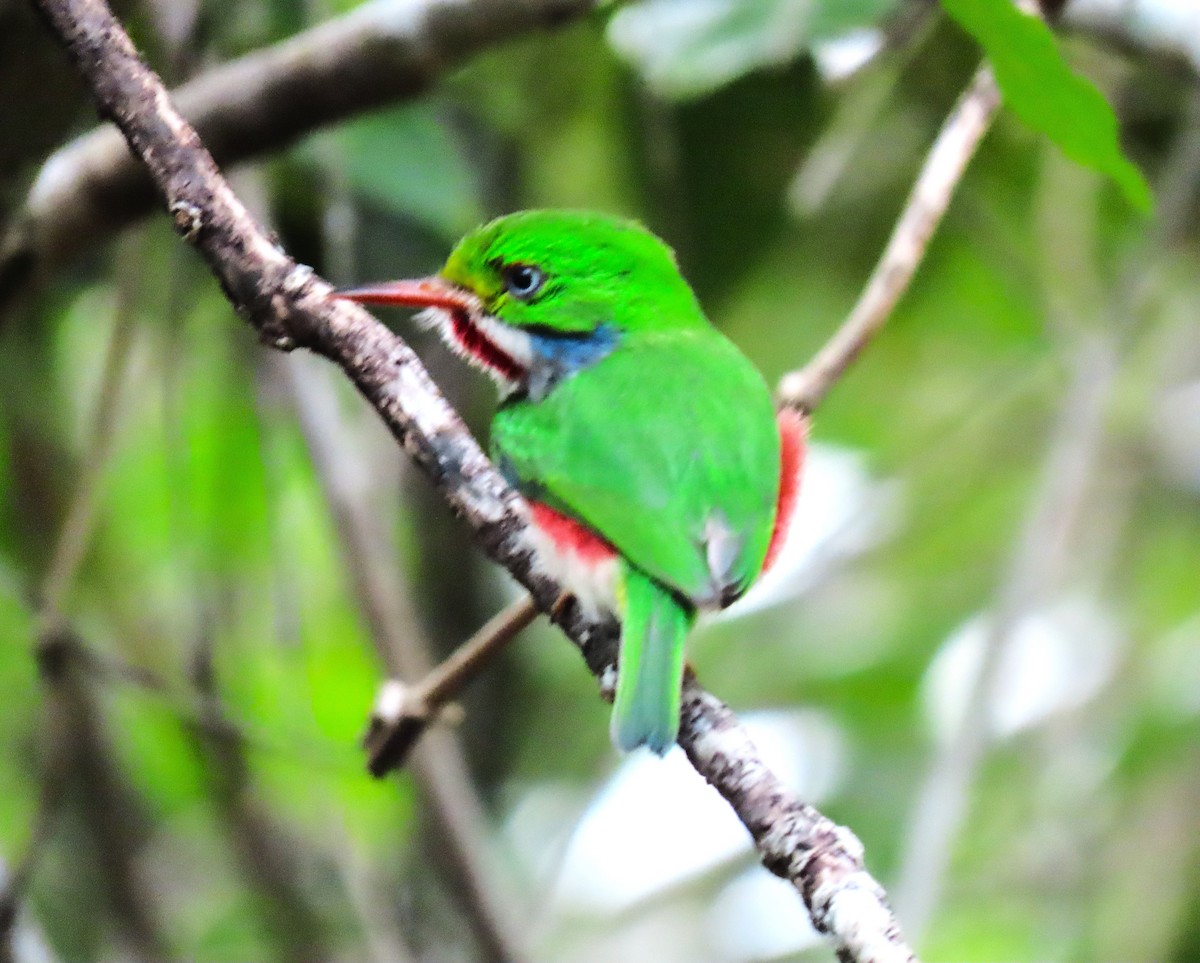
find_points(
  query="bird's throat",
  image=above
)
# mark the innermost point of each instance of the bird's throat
(471, 340)
(532, 360)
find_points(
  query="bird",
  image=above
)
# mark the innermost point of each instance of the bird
(660, 479)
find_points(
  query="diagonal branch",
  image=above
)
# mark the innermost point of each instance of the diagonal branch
(70, 546)
(82, 764)
(290, 307)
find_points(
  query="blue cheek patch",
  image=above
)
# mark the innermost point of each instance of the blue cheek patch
(558, 356)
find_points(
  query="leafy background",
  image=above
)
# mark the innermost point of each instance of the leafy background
(987, 659)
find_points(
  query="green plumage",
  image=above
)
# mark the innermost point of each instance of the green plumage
(666, 445)
(671, 434)
(654, 624)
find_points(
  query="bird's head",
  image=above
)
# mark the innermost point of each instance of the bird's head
(535, 296)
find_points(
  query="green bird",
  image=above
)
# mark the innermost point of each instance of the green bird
(659, 478)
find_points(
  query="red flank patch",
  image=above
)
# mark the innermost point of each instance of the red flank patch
(570, 536)
(793, 433)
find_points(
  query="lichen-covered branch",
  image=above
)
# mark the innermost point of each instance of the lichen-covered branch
(291, 307)
(796, 842)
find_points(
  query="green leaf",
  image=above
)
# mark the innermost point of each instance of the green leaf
(1046, 94)
(685, 48)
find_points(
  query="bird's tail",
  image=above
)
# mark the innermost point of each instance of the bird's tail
(654, 626)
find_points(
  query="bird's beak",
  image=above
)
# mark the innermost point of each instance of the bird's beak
(430, 292)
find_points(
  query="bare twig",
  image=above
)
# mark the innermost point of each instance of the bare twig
(930, 196)
(76, 532)
(381, 52)
(290, 306)
(51, 787)
(402, 712)
(1093, 335)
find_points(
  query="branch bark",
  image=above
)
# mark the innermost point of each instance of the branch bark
(291, 307)
(382, 52)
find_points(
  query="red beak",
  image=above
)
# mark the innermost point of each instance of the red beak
(430, 292)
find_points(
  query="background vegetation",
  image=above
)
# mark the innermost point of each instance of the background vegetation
(986, 662)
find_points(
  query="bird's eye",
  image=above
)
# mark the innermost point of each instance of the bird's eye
(523, 281)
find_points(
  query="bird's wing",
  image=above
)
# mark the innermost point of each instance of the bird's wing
(668, 448)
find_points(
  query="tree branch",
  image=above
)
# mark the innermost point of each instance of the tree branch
(291, 307)
(266, 853)
(927, 202)
(1040, 555)
(382, 52)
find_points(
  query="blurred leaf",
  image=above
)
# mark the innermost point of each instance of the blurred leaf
(19, 695)
(411, 162)
(685, 48)
(341, 675)
(155, 748)
(1045, 93)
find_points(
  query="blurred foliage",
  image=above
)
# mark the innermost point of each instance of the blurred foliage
(691, 48)
(1039, 86)
(232, 666)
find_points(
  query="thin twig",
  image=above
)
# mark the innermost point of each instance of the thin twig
(1046, 549)
(943, 168)
(76, 532)
(402, 712)
(266, 852)
(290, 307)
(110, 806)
